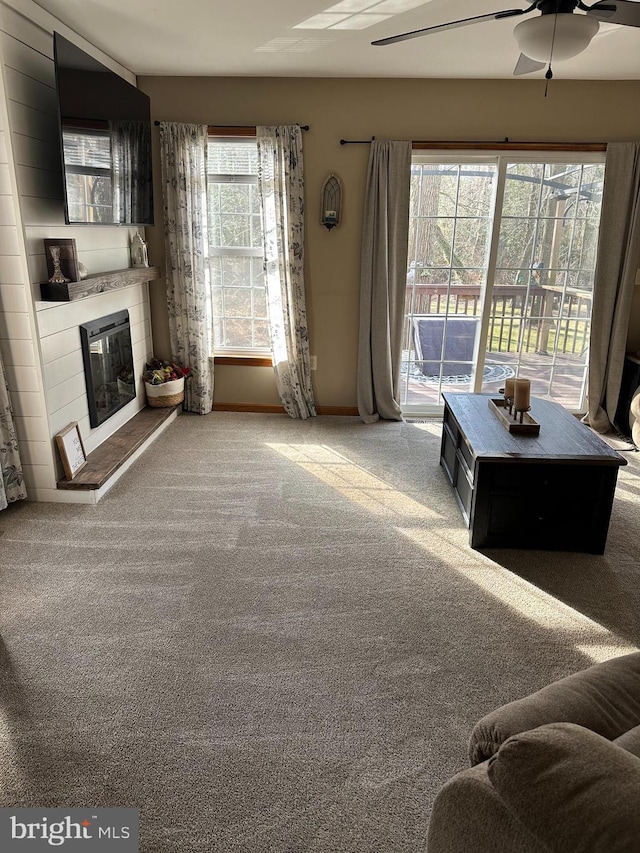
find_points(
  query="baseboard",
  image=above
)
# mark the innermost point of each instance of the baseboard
(350, 411)
(57, 496)
(249, 407)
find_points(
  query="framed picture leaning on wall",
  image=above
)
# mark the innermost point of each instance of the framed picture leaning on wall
(71, 449)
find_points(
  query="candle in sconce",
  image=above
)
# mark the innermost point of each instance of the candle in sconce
(509, 387)
(522, 395)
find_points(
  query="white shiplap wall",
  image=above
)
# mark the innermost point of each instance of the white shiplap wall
(40, 340)
(18, 332)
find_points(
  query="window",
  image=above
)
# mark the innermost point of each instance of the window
(240, 323)
(502, 254)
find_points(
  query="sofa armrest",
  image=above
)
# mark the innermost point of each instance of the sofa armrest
(573, 789)
(468, 815)
(604, 698)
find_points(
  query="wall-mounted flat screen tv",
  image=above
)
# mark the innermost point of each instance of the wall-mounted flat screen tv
(105, 128)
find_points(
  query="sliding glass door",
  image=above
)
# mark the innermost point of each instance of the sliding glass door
(500, 275)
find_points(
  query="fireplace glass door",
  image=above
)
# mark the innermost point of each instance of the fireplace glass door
(108, 365)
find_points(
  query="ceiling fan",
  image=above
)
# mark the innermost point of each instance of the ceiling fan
(556, 33)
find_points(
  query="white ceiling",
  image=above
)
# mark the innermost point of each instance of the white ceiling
(250, 38)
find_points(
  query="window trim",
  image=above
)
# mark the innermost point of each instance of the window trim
(232, 130)
(238, 356)
(506, 147)
(244, 360)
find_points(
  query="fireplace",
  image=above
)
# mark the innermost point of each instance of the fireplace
(108, 365)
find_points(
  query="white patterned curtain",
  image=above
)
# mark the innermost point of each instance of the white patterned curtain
(383, 279)
(616, 268)
(189, 300)
(12, 486)
(281, 185)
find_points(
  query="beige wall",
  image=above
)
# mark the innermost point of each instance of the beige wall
(358, 109)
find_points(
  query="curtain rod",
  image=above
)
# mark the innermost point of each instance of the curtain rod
(241, 128)
(423, 145)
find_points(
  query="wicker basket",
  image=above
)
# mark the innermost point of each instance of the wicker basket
(165, 395)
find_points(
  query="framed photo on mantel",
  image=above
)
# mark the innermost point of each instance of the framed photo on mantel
(66, 257)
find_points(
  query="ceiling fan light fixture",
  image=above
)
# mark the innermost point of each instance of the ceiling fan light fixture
(573, 33)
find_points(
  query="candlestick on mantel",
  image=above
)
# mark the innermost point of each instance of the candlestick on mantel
(522, 395)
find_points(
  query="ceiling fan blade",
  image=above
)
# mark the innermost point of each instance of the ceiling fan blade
(622, 12)
(507, 13)
(524, 65)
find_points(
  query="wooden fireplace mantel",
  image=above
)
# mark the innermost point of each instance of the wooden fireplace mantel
(94, 284)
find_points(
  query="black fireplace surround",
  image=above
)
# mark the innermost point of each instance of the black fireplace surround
(108, 365)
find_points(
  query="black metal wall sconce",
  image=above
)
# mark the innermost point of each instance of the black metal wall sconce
(331, 206)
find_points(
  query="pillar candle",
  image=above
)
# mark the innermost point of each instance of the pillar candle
(509, 387)
(522, 395)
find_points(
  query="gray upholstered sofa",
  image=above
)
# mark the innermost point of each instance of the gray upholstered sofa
(557, 771)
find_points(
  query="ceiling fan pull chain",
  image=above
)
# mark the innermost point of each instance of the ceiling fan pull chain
(548, 76)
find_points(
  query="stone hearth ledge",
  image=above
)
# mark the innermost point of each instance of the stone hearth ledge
(108, 462)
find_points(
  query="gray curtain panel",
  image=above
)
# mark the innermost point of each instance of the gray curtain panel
(12, 486)
(281, 186)
(189, 300)
(383, 279)
(616, 267)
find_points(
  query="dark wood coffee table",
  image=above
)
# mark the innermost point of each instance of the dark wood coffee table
(552, 491)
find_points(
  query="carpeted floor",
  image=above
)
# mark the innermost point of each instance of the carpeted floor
(272, 637)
